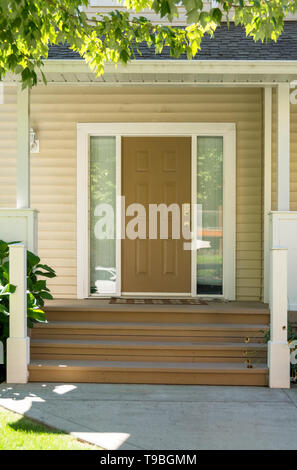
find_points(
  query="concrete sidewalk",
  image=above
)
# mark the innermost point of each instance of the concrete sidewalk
(162, 417)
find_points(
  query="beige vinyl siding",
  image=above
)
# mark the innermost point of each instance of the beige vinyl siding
(55, 111)
(8, 134)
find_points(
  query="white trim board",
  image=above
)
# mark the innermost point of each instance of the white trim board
(145, 129)
(183, 72)
(165, 129)
(179, 66)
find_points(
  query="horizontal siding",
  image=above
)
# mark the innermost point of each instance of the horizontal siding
(8, 134)
(55, 111)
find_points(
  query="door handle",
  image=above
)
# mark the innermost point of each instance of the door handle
(186, 209)
(186, 218)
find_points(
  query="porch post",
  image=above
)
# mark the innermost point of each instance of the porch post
(278, 349)
(18, 343)
(283, 147)
(23, 148)
(267, 186)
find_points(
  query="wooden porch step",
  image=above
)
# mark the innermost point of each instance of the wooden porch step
(147, 351)
(217, 313)
(140, 331)
(196, 373)
(152, 344)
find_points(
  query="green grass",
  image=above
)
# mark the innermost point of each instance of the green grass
(20, 433)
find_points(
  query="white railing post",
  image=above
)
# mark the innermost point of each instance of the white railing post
(23, 147)
(283, 147)
(278, 348)
(18, 343)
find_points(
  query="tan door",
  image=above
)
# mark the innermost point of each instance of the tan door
(156, 170)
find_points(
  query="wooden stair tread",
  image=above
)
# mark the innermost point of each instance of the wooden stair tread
(148, 325)
(145, 344)
(215, 312)
(212, 307)
(160, 366)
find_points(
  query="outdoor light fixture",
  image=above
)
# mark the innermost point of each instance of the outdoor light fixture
(34, 143)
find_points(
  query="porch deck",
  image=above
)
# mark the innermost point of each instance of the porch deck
(103, 304)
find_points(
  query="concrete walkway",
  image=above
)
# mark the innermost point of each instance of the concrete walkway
(162, 417)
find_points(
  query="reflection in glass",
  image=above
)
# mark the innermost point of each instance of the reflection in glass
(210, 215)
(102, 235)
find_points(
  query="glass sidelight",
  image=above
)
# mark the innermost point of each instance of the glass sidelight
(210, 215)
(102, 192)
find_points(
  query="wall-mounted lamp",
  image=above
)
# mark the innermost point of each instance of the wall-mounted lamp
(34, 143)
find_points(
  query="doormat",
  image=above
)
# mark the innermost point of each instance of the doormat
(121, 300)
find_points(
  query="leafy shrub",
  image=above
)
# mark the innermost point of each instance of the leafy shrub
(37, 291)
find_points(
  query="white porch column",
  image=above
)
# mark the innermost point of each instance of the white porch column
(267, 186)
(283, 147)
(278, 349)
(23, 148)
(21, 225)
(18, 343)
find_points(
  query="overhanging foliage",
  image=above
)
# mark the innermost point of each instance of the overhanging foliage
(28, 27)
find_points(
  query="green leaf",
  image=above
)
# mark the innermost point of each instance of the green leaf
(46, 267)
(46, 295)
(43, 77)
(124, 56)
(192, 16)
(32, 260)
(3, 250)
(3, 309)
(45, 274)
(39, 285)
(7, 290)
(216, 15)
(204, 18)
(36, 315)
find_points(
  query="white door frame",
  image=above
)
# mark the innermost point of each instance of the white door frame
(164, 129)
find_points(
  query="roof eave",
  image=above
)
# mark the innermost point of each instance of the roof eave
(178, 66)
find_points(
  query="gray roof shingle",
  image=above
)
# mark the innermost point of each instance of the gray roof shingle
(227, 44)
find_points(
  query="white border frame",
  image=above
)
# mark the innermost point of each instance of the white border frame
(164, 129)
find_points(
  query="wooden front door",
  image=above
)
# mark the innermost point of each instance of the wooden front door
(156, 170)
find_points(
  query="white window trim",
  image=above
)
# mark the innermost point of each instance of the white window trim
(164, 129)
